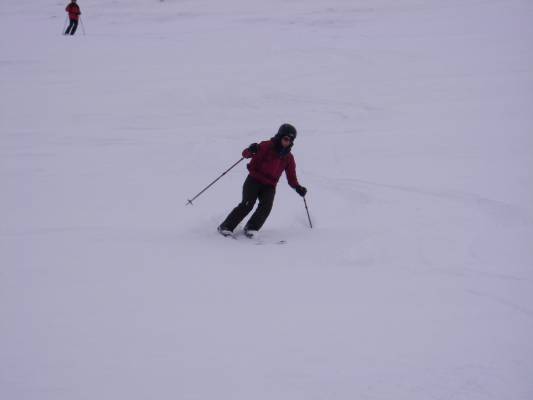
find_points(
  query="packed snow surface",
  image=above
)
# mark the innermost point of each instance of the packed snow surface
(415, 141)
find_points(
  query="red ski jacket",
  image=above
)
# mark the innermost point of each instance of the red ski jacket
(73, 11)
(267, 165)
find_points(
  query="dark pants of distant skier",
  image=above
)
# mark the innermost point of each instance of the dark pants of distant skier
(71, 30)
(251, 191)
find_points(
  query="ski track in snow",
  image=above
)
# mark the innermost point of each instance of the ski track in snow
(498, 209)
(515, 307)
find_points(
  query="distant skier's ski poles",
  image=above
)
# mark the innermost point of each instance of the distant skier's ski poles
(211, 184)
(64, 25)
(82, 26)
(308, 216)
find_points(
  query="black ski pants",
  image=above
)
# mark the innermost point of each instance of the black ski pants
(71, 30)
(251, 191)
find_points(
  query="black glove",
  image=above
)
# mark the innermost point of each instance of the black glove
(254, 148)
(300, 190)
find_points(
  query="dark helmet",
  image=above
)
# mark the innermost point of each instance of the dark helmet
(286, 130)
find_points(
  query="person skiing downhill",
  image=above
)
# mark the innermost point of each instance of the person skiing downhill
(268, 161)
(74, 13)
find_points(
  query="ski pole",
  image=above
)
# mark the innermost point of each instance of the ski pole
(65, 25)
(82, 26)
(211, 184)
(308, 216)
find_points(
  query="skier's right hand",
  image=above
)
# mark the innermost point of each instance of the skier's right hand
(254, 148)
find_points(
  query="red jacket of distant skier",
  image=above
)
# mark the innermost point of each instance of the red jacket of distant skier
(73, 11)
(267, 165)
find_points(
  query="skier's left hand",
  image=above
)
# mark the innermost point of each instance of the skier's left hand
(301, 190)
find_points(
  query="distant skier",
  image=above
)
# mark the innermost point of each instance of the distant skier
(269, 159)
(74, 13)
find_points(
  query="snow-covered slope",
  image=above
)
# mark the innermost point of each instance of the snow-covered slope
(415, 143)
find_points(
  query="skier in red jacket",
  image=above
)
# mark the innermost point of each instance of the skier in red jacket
(74, 13)
(269, 159)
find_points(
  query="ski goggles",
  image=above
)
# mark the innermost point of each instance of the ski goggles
(287, 138)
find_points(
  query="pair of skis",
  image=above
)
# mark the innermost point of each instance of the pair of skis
(249, 236)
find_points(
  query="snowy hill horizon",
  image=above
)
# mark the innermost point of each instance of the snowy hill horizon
(414, 142)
